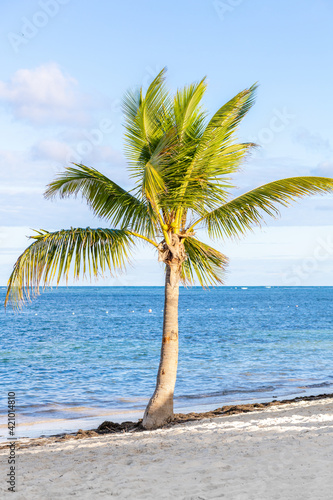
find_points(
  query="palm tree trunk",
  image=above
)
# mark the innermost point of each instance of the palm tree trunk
(160, 407)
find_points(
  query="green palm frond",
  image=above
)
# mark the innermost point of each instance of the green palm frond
(107, 200)
(146, 121)
(76, 251)
(175, 159)
(247, 210)
(216, 143)
(149, 141)
(203, 262)
(152, 173)
(231, 113)
(187, 110)
(152, 184)
(205, 182)
(130, 105)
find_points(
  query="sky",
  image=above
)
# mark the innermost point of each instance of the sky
(66, 64)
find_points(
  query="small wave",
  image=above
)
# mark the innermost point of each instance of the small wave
(227, 392)
(314, 386)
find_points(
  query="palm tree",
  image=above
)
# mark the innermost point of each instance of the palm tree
(181, 165)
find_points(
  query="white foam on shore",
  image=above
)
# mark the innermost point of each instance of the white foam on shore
(48, 427)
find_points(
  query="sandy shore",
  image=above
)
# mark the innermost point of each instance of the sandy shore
(283, 452)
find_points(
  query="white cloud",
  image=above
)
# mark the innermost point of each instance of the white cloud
(311, 141)
(81, 152)
(8, 158)
(14, 237)
(106, 154)
(257, 171)
(324, 168)
(44, 95)
(51, 149)
(20, 172)
(20, 189)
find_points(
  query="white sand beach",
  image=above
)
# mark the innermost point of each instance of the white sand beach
(283, 452)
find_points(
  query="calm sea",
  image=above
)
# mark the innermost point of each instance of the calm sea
(79, 354)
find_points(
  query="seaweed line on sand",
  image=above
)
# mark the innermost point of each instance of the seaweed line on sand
(108, 427)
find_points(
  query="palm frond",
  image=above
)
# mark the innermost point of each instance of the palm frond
(186, 108)
(130, 104)
(216, 139)
(203, 262)
(145, 122)
(247, 210)
(53, 256)
(106, 198)
(231, 113)
(152, 184)
(205, 181)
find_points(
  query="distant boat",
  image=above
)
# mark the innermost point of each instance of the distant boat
(244, 287)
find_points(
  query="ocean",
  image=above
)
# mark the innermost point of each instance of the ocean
(79, 355)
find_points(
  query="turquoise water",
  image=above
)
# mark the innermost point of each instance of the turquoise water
(98, 348)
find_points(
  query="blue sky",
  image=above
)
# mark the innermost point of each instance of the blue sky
(67, 63)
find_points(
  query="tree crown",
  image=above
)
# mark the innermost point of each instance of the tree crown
(181, 164)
